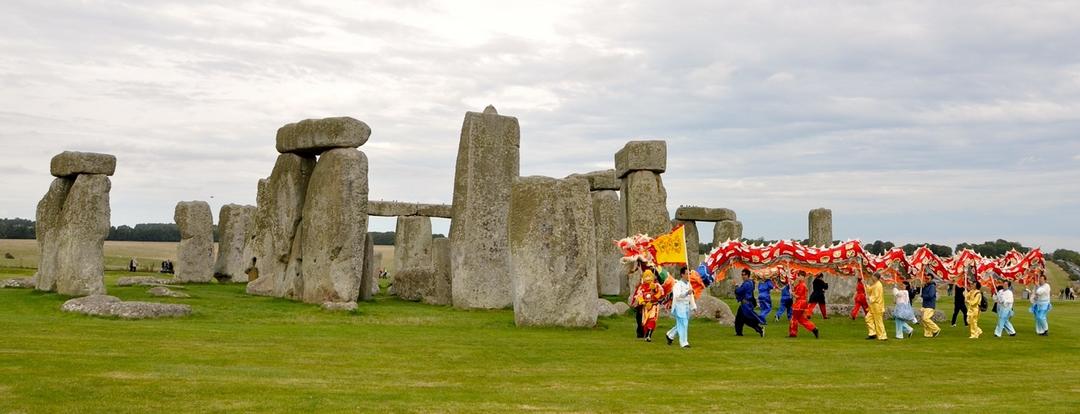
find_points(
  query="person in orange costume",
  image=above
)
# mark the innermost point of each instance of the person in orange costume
(799, 309)
(648, 296)
(860, 299)
(875, 315)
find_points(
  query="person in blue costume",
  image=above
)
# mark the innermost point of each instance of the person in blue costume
(764, 288)
(746, 316)
(785, 298)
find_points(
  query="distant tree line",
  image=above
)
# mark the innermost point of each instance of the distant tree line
(18, 228)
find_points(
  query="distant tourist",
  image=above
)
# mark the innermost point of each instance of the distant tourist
(745, 315)
(818, 296)
(928, 294)
(875, 318)
(800, 310)
(133, 265)
(682, 303)
(902, 311)
(973, 298)
(860, 299)
(1004, 300)
(1040, 305)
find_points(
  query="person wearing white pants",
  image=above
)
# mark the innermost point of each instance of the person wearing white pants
(682, 304)
(1040, 306)
(1004, 299)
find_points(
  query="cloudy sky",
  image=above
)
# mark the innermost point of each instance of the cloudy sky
(914, 121)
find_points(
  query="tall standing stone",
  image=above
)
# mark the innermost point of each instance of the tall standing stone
(724, 231)
(413, 268)
(234, 225)
(84, 226)
(552, 243)
(439, 291)
(693, 241)
(49, 219)
(610, 220)
(277, 221)
(821, 227)
(195, 253)
(487, 164)
(335, 226)
(369, 281)
(639, 165)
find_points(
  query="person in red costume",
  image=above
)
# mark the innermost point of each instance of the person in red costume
(648, 297)
(800, 309)
(860, 299)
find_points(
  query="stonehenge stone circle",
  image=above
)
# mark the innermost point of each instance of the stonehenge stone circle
(234, 227)
(84, 226)
(439, 290)
(195, 253)
(313, 136)
(644, 197)
(487, 164)
(69, 163)
(551, 241)
(49, 222)
(690, 213)
(277, 221)
(821, 227)
(334, 227)
(413, 266)
(369, 282)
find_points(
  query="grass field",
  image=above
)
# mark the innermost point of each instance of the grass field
(245, 353)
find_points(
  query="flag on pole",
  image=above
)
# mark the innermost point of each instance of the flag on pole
(671, 247)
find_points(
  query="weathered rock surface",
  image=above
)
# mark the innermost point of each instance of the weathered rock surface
(142, 281)
(692, 241)
(727, 230)
(369, 282)
(439, 291)
(714, 309)
(313, 136)
(414, 270)
(487, 164)
(335, 227)
(277, 221)
(435, 210)
(645, 201)
(821, 227)
(111, 306)
(610, 220)
(49, 222)
(601, 180)
(605, 309)
(400, 208)
(162, 291)
(234, 224)
(84, 226)
(621, 308)
(339, 306)
(704, 214)
(553, 249)
(69, 163)
(841, 289)
(17, 283)
(195, 253)
(641, 156)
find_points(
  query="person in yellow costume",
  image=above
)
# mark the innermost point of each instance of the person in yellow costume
(648, 297)
(973, 298)
(875, 315)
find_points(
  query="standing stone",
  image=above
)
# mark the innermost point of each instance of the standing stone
(693, 242)
(234, 223)
(487, 164)
(334, 227)
(277, 220)
(368, 278)
(195, 253)
(645, 201)
(439, 291)
(84, 225)
(49, 218)
(724, 231)
(608, 216)
(413, 268)
(552, 245)
(821, 227)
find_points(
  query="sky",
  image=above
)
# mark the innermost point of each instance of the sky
(932, 121)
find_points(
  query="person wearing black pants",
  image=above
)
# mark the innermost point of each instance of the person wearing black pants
(817, 297)
(958, 304)
(746, 315)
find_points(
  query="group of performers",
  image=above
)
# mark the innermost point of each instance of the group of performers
(797, 302)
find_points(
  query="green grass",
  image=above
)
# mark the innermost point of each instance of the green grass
(246, 353)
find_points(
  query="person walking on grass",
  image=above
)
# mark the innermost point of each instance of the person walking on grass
(648, 297)
(1040, 305)
(800, 309)
(973, 298)
(958, 298)
(817, 297)
(902, 311)
(785, 298)
(746, 316)
(860, 299)
(682, 303)
(875, 297)
(765, 287)
(1004, 300)
(928, 294)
